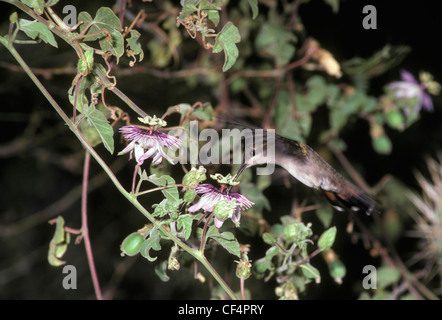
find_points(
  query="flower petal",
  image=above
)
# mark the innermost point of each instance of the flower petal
(236, 216)
(243, 202)
(147, 143)
(408, 77)
(427, 103)
(218, 223)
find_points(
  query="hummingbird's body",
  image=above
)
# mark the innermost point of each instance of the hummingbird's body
(307, 166)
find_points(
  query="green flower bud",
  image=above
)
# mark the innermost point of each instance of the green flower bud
(131, 244)
(395, 119)
(195, 176)
(296, 232)
(337, 270)
(243, 269)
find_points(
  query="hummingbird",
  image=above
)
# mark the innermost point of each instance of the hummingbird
(308, 167)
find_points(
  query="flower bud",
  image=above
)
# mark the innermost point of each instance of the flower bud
(195, 176)
(243, 269)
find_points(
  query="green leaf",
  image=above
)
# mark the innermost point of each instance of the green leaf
(189, 7)
(289, 127)
(152, 242)
(51, 3)
(58, 244)
(211, 9)
(228, 241)
(104, 19)
(210, 5)
(386, 276)
(212, 231)
(161, 169)
(37, 5)
(134, 44)
(84, 66)
(275, 42)
(89, 133)
(338, 118)
(160, 270)
(226, 40)
(185, 223)
(13, 18)
(82, 100)
(205, 113)
(268, 238)
(35, 29)
(254, 6)
(261, 266)
(183, 109)
(171, 193)
(98, 120)
(310, 272)
(334, 4)
(317, 93)
(271, 252)
(327, 238)
(325, 215)
(160, 209)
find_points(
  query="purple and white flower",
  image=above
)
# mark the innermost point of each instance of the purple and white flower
(410, 88)
(211, 197)
(146, 144)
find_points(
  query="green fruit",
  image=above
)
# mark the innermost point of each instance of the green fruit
(131, 244)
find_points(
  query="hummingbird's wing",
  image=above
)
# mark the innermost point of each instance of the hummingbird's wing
(307, 166)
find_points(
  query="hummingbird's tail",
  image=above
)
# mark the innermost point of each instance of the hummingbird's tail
(355, 201)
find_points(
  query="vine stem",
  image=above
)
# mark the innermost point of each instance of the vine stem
(243, 295)
(85, 229)
(130, 197)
